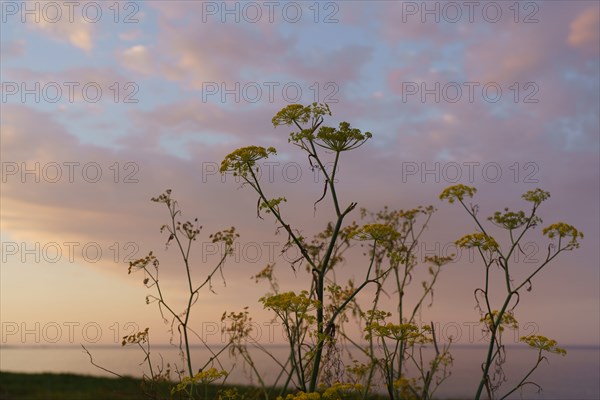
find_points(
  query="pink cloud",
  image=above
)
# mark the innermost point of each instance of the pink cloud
(12, 49)
(585, 31)
(374, 175)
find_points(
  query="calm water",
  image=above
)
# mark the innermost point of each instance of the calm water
(576, 376)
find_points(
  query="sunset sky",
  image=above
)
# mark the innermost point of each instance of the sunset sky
(104, 110)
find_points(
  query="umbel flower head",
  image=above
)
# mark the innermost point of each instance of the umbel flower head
(202, 377)
(243, 159)
(507, 320)
(535, 196)
(542, 343)
(378, 232)
(478, 239)
(511, 219)
(457, 192)
(140, 337)
(299, 114)
(342, 139)
(563, 230)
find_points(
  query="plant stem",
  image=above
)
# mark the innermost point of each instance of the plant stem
(488, 362)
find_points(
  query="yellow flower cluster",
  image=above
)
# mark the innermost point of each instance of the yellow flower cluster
(243, 159)
(273, 203)
(226, 236)
(400, 332)
(406, 388)
(301, 396)
(297, 113)
(289, 302)
(358, 370)
(338, 391)
(508, 319)
(535, 196)
(342, 139)
(457, 192)
(543, 343)
(203, 377)
(562, 230)
(478, 239)
(379, 232)
(509, 219)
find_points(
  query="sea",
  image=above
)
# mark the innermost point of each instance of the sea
(575, 376)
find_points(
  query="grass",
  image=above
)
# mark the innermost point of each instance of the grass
(46, 386)
(67, 387)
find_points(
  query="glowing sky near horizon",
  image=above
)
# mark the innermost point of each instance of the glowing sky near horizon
(503, 96)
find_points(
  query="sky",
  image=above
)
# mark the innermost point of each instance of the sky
(108, 104)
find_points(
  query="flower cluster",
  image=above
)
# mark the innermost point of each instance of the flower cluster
(340, 390)
(299, 114)
(410, 333)
(535, 196)
(438, 261)
(358, 370)
(163, 198)
(509, 219)
(287, 303)
(407, 387)
(226, 236)
(457, 192)
(239, 327)
(478, 239)
(337, 391)
(508, 319)
(203, 377)
(267, 273)
(301, 396)
(142, 263)
(189, 229)
(542, 343)
(342, 139)
(272, 204)
(339, 139)
(562, 230)
(140, 337)
(379, 232)
(243, 159)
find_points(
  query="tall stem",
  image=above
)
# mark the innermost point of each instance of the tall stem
(488, 361)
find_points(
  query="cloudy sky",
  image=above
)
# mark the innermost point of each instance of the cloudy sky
(105, 105)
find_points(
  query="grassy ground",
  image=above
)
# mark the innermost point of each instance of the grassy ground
(66, 386)
(16, 386)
